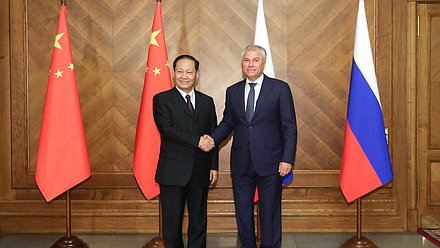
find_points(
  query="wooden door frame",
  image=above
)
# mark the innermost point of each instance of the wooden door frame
(417, 190)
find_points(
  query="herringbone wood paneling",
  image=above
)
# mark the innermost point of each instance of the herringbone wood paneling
(320, 54)
(312, 47)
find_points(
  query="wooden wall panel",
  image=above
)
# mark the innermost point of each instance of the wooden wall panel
(312, 47)
(320, 53)
(5, 105)
(427, 130)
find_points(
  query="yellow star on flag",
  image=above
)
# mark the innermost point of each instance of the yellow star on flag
(59, 73)
(156, 71)
(57, 41)
(71, 66)
(153, 40)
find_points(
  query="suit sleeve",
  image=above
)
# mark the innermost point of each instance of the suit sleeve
(213, 125)
(288, 125)
(167, 129)
(226, 125)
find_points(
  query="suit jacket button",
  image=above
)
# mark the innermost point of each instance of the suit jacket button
(250, 127)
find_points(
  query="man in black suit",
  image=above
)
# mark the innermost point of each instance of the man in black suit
(184, 172)
(260, 112)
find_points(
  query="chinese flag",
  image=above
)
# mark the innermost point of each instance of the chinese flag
(157, 79)
(62, 160)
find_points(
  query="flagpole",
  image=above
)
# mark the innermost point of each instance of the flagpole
(258, 225)
(157, 242)
(359, 217)
(358, 241)
(145, 165)
(69, 241)
(68, 215)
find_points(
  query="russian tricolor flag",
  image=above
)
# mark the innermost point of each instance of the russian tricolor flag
(366, 161)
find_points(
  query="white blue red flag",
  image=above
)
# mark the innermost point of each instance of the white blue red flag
(366, 161)
(261, 38)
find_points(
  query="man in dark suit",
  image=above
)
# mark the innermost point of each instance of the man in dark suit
(260, 112)
(184, 172)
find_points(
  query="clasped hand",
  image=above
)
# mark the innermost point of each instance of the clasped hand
(206, 143)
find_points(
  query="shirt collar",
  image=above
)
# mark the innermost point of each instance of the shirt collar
(258, 81)
(183, 93)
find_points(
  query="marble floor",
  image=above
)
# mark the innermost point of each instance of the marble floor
(291, 240)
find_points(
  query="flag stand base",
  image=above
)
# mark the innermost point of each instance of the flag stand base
(72, 242)
(361, 242)
(358, 241)
(156, 242)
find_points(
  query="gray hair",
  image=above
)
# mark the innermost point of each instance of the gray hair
(255, 48)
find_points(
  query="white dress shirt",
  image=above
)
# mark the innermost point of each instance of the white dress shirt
(192, 94)
(257, 88)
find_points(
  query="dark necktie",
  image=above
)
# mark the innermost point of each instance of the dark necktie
(250, 102)
(190, 106)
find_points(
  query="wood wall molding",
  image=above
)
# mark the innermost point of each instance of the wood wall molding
(424, 1)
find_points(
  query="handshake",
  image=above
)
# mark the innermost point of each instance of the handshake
(206, 143)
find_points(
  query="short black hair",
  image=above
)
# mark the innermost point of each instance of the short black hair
(186, 56)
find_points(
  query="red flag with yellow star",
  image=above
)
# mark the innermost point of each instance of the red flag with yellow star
(62, 160)
(157, 79)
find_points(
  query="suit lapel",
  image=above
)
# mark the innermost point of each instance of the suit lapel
(199, 104)
(240, 98)
(179, 101)
(264, 94)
